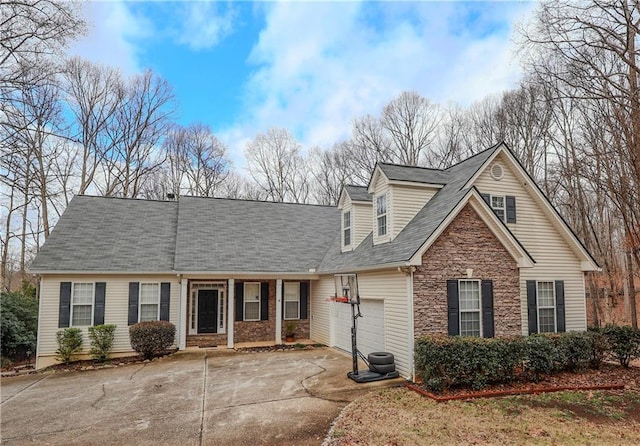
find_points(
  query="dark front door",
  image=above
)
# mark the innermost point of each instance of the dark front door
(207, 311)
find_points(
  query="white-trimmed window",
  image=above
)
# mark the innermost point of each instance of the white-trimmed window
(251, 301)
(82, 304)
(346, 228)
(546, 298)
(149, 302)
(291, 300)
(381, 214)
(469, 300)
(499, 206)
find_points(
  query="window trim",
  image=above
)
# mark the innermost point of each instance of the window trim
(479, 310)
(244, 303)
(284, 294)
(503, 208)
(93, 302)
(346, 229)
(540, 307)
(382, 215)
(140, 299)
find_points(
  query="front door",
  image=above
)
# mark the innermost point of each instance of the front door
(207, 311)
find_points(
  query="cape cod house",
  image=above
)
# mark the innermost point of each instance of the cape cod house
(474, 250)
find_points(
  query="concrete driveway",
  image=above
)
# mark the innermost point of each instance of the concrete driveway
(192, 398)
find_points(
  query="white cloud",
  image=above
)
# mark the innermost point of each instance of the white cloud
(113, 31)
(320, 65)
(203, 24)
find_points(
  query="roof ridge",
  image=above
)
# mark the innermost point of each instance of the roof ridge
(259, 201)
(412, 167)
(153, 200)
(495, 146)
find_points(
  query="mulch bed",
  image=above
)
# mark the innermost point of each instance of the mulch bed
(279, 348)
(608, 377)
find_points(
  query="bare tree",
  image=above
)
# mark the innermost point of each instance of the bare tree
(276, 165)
(331, 169)
(137, 126)
(411, 122)
(93, 93)
(31, 32)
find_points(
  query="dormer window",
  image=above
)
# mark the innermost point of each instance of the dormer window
(346, 228)
(381, 214)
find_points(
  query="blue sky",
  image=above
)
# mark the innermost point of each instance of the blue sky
(310, 67)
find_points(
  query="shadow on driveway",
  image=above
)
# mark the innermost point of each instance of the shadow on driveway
(193, 398)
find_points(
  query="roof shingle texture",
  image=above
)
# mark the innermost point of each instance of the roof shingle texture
(111, 234)
(358, 193)
(252, 236)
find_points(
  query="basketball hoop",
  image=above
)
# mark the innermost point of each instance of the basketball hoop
(346, 289)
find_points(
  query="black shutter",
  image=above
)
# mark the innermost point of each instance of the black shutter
(239, 301)
(65, 305)
(510, 202)
(560, 306)
(487, 309)
(165, 300)
(453, 308)
(304, 300)
(264, 301)
(134, 287)
(98, 307)
(532, 306)
(486, 198)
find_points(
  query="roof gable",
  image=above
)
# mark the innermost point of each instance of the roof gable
(505, 154)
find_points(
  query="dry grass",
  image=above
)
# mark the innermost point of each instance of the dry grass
(402, 417)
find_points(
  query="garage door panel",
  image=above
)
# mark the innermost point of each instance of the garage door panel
(370, 326)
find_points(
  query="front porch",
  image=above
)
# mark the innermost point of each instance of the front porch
(240, 313)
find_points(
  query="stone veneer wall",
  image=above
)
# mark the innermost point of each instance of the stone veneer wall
(466, 243)
(255, 331)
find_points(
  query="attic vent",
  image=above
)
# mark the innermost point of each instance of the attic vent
(497, 172)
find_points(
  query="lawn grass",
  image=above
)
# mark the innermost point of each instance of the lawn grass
(402, 417)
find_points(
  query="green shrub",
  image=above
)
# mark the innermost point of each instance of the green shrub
(575, 350)
(599, 347)
(624, 343)
(18, 325)
(69, 343)
(101, 340)
(444, 362)
(151, 337)
(542, 356)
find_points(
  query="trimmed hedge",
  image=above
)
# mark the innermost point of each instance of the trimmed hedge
(151, 337)
(443, 362)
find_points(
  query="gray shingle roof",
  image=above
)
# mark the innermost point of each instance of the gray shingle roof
(413, 174)
(417, 231)
(236, 235)
(209, 234)
(357, 193)
(111, 234)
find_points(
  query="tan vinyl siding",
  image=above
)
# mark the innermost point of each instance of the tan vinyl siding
(407, 201)
(361, 222)
(392, 287)
(555, 260)
(321, 290)
(116, 308)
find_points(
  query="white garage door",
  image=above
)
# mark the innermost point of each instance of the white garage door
(370, 326)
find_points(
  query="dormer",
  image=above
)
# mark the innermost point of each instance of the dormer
(398, 193)
(355, 220)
